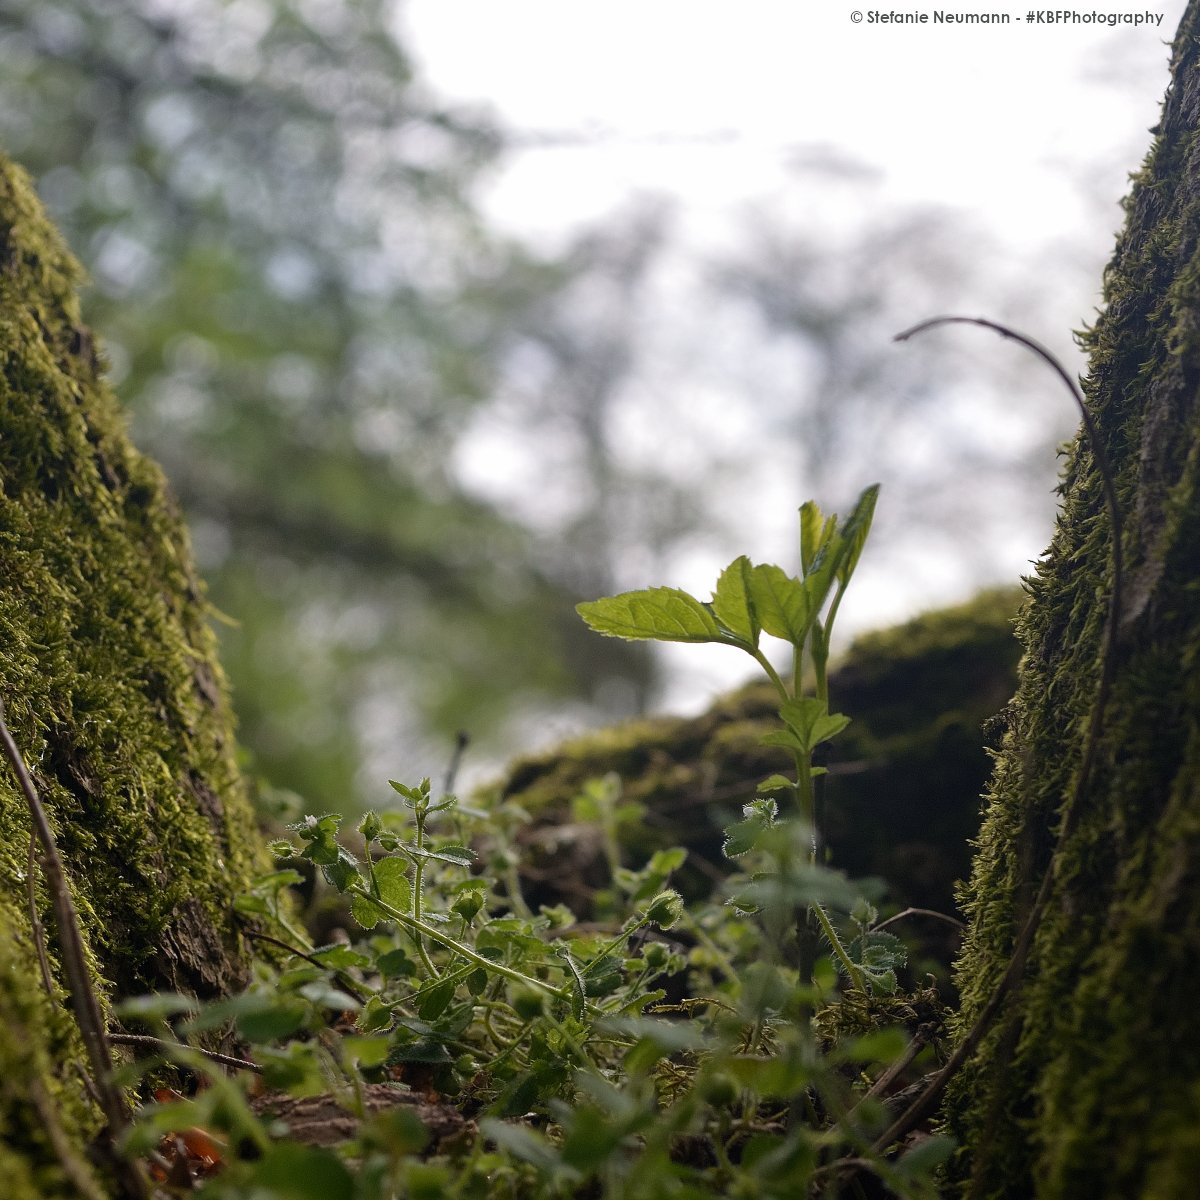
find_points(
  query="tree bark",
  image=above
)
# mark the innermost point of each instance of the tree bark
(1088, 1084)
(114, 697)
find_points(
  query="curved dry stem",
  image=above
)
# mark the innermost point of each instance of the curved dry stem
(932, 913)
(1013, 974)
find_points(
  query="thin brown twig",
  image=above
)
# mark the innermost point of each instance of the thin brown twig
(83, 995)
(920, 1040)
(153, 1043)
(1014, 972)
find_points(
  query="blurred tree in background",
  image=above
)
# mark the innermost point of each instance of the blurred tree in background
(302, 309)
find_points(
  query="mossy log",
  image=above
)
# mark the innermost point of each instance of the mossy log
(902, 798)
(112, 690)
(1088, 1085)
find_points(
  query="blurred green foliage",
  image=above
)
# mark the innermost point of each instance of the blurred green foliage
(303, 310)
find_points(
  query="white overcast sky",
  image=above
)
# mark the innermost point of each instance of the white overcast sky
(709, 100)
(1031, 129)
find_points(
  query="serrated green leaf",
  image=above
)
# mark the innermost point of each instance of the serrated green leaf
(662, 613)
(924, 1156)
(883, 951)
(413, 797)
(663, 862)
(786, 738)
(741, 837)
(339, 956)
(776, 783)
(781, 602)
(879, 1046)
(732, 604)
(376, 1014)
(324, 995)
(520, 1142)
(367, 1051)
(808, 718)
(295, 1069)
(156, 1007)
(816, 530)
(744, 904)
(883, 983)
(434, 1001)
(259, 1017)
(854, 533)
(370, 826)
(460, 856)
(321, 835)
(395, 964)
(367, 915)
(342, 871)
(391, 877)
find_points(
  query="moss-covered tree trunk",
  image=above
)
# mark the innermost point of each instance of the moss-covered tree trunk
(1088, 1085)
(108, 674)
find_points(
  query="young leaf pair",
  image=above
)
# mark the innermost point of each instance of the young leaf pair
(750, 599)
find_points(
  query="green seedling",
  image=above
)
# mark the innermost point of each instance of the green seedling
(751, 600)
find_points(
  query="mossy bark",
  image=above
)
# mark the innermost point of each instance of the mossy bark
(109, 677)
(1088, 1086)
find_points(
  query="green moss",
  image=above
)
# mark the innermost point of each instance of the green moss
(1087, 1086)
(108, 673)
(38, 1042)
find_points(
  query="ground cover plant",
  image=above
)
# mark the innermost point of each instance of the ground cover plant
(459, 1043)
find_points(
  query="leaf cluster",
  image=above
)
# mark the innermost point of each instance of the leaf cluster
(593, 1056)
(664, 1052)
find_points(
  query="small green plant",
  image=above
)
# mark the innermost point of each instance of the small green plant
(800, 610)
(658, 1051)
